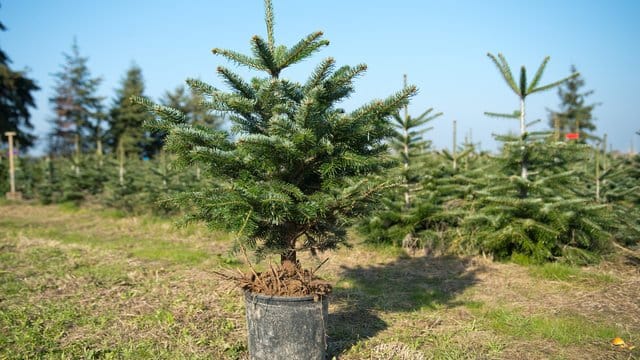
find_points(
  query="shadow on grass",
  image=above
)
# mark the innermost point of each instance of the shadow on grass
(633, 261)
(404, 285)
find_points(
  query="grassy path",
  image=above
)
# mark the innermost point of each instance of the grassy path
(90, 284)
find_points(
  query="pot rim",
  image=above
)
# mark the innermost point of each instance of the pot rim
(257, 296)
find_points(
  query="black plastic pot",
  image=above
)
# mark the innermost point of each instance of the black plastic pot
(286, 327)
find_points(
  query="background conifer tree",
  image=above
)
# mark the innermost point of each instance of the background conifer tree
(448, 192)
(16, 99)
(523, 89)
(126, 119)
(297, 169)
(574, 115)
(192, 105)
(78, 109)
(615, 181)
(458, 155)
(538, 214)
(389, 225)
(125, 185)
(49, 188)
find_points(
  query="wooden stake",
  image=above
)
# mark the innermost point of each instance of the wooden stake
(99, 152)
(121, 162)
(407, 196)
(453, 151)
(597, 160)
(604, 151)
(12, 195)
(76, 160)
(523, 129)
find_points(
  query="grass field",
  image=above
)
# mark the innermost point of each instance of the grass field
(89, 283)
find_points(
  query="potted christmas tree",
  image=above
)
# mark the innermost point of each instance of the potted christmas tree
(288, 177)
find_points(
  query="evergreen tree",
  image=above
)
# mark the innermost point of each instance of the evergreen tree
(551, 221)
(126, 119)
(296, 170)
(447, 196)
(522, 90)
(27, 176)
(192, 105)
(574, 116)
(49, 189)
(408, 146)
(125, 184)
(78, 186)
(4, 169)
(538, 214)
(458, 155)
(615, 181)
(78, 109)
(16, 99)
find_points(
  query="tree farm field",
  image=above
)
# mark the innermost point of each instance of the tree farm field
(91, 283)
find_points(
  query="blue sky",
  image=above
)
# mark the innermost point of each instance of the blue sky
(440, 45)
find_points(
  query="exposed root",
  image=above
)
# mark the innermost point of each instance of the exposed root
(288, 279)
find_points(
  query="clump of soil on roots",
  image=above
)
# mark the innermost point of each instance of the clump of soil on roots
(288, 279)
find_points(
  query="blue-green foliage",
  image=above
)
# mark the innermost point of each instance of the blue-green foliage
(294, 168)
(538, 213)
(394, 222)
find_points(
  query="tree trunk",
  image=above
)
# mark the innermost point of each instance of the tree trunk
(407, 196)
(289, 255)
(523, 129)
(597, 159)
(77, 152)
(99, 152)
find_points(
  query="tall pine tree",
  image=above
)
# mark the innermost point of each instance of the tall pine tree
(77, 123)
(126, 119)
(575, 114)
(16, 99)
(298, 167)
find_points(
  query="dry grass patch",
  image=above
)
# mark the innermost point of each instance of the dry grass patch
(84, 284)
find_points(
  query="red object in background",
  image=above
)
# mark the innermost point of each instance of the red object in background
(572, 136)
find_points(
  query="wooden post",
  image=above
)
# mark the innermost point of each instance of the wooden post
(99, 153)
(455, 145)
(121, 161)
(604, 152)
(523, 129)
(407, 195)
(597, 160)
(76, 158)
(12, 194)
